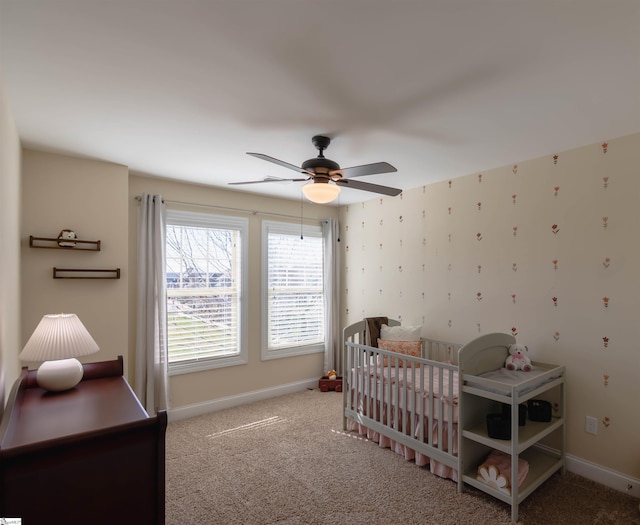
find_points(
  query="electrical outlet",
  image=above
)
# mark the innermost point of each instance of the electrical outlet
(591, 425)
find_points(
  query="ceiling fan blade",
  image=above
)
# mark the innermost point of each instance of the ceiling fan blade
(279, 162)
(367, 186)
(367, 169)
(268, 179)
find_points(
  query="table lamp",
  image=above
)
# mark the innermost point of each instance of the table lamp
(57, 341)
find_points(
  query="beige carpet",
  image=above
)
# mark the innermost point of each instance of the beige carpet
(286, 460)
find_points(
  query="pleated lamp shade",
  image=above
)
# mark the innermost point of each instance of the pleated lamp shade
(59, 336)
(58, 340)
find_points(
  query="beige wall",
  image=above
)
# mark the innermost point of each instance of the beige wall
(89, 197)
(10, 252)
(97, 200)
(201, 387)
(447, 256)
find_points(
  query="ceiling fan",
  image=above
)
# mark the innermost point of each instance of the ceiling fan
(327, 176)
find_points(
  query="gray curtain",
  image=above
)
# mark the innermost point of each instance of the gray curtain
(332, 337)
(152, 380)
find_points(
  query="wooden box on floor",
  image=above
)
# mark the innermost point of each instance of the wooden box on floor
(88, 455)
(327, 384)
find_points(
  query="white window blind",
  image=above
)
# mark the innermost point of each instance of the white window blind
(205, 279)
(294, 289)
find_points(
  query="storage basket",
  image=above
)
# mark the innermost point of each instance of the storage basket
(499, 425)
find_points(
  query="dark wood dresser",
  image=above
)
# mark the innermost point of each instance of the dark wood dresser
(88, 455)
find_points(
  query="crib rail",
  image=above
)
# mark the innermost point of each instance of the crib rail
(433, 349)
(412, 402)
(441, 351)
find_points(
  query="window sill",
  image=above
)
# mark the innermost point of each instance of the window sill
(281, 353)
(188, 367)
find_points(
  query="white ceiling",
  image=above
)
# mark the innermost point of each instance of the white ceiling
(183, 89)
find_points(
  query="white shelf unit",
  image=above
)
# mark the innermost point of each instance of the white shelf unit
(544, 458)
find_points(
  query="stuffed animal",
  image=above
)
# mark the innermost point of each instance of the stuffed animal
(66, 239)
(331, 374)
(518, 358)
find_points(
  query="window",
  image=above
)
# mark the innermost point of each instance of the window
(206, 278)
(293, 295)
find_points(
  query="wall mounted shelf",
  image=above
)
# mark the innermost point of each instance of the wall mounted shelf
(85, 273)
(52, 243)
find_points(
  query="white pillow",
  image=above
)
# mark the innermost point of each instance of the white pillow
(400, 333)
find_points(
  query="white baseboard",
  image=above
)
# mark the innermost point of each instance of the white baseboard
(582, 467)
(199, 409)
(605, 476)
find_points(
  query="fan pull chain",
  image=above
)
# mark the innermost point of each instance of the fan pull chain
(301, 217)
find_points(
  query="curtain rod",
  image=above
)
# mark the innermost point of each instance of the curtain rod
(242, 210)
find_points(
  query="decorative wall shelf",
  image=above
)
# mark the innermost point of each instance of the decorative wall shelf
(53, 243)
(85, 273)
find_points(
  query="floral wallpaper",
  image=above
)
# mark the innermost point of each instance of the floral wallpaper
(546, 249)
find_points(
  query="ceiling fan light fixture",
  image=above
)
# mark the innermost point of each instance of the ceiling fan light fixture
(321, 192)
(327, 176)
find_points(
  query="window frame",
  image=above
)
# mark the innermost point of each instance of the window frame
(287, 228)
(214, 221)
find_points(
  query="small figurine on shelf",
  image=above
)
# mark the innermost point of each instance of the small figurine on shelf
(66, 239)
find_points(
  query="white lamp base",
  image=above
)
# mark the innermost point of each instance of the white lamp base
(59, 375)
